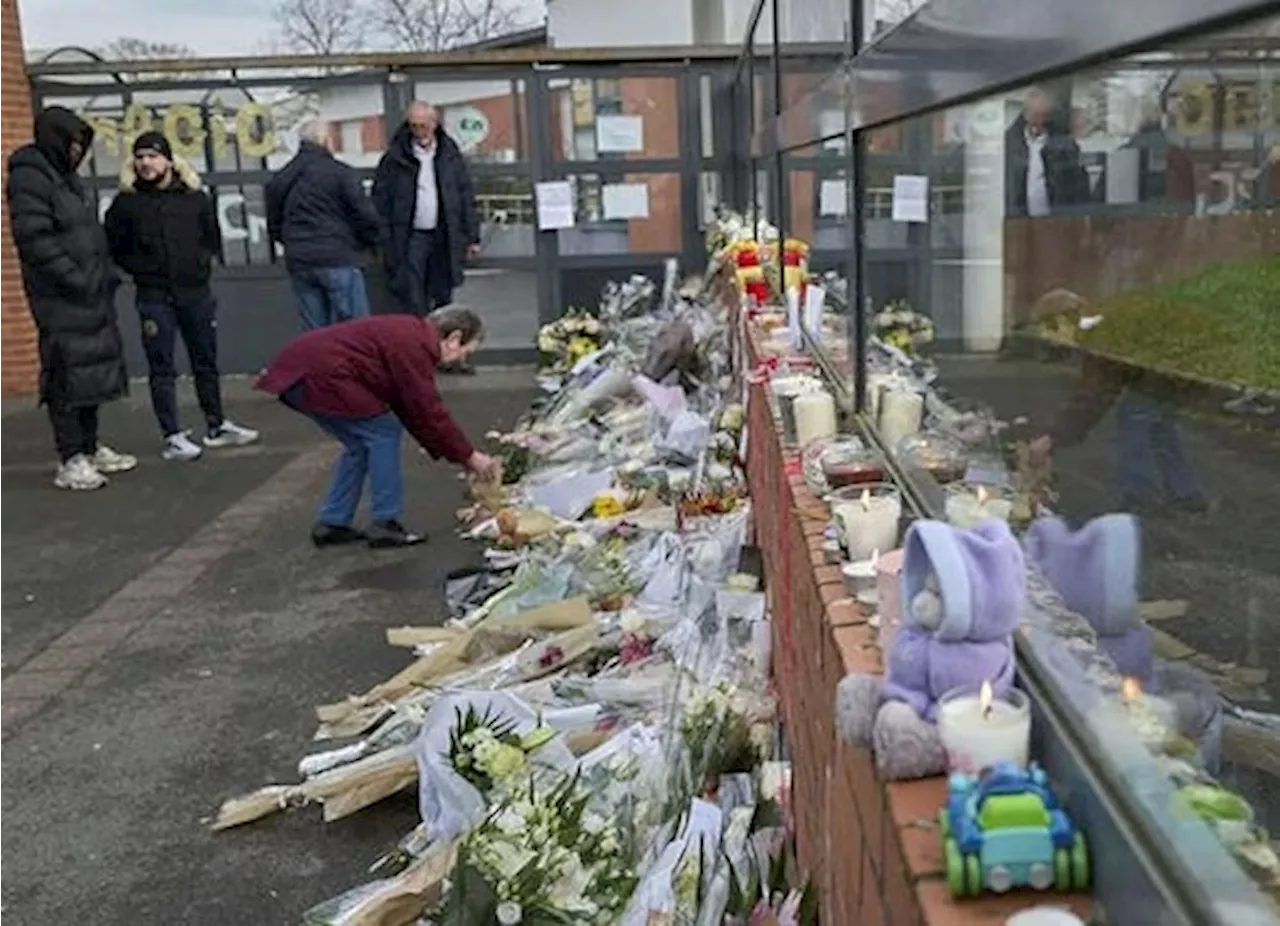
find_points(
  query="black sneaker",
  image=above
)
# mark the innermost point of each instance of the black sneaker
(393, 534)
(333, 535)
(457, 369)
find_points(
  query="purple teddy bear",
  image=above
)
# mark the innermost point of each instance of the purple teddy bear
(1095, 570)
(966, 593)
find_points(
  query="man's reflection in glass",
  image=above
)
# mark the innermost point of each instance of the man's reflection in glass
(1044, 173)
(1153, 470)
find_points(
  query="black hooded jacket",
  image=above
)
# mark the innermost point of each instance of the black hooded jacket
(395, 195)
(66, 265)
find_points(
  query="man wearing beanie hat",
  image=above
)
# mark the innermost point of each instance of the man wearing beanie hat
(164, 234)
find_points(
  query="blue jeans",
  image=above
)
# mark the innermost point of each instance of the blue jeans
(1149, 443)
(328, 295)
(162, 321)
(371, 447)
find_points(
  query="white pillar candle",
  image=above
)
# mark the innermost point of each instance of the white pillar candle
(901, 414)
(979, 729)
(868, 521)
(970, 505)
(815, 416)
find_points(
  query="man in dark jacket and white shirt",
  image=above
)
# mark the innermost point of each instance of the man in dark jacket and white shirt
(70, 285)
(424, 195)
(317, 208)
(164, 234)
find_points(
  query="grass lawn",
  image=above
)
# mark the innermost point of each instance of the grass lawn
(1222, 323)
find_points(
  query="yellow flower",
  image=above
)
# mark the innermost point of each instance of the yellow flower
(607, 505)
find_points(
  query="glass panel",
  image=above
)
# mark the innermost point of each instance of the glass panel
(1098, 262)
(485, 117)
(624, 118)
(636, 213)
(814, 111)
(357, 121)
(507, 218)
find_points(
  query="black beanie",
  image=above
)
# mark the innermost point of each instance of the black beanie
(153, 141)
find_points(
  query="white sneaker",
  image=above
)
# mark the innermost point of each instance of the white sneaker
(180, 446)
(230, 434)
(79, 474)
(109, 461)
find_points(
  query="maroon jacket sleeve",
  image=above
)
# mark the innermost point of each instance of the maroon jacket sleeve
(421, 409)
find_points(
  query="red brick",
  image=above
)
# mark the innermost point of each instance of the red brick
(19, 371)
(939, 909)
(845, 612)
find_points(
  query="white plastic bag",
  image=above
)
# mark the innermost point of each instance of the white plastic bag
(687, 435)
(449, 804)
(664, 565)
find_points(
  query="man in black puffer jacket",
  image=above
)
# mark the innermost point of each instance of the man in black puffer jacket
(164, 234)
(71, 285)
(423, 192)
(317, 209)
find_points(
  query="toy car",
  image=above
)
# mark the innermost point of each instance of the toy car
(1004, 829)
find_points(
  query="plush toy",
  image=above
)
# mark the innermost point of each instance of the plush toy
(964, 592)
(1095, 570)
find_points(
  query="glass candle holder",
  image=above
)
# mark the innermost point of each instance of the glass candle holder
(968, 505)
(867, 518)
(979, 729)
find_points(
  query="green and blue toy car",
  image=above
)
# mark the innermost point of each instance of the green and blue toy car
(1004, 829)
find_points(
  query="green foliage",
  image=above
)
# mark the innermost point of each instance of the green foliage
(1221, 323)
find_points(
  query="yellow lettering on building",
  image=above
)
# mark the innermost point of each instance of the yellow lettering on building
(1193, 110)
(184, 124)
(137, 120)
(254, 135)
(184, 128)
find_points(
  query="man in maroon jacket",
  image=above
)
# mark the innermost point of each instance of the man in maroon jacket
(360, 381)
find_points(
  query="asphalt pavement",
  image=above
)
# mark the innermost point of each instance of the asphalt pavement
(165, 641)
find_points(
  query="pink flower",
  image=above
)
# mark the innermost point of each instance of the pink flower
(550, 656)
(634, 648)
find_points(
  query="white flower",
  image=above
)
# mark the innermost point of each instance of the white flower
(510, 821)
(592, 823)
(632, 622)
(509, 913)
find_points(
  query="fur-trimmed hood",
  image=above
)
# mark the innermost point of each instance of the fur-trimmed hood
(182, 170)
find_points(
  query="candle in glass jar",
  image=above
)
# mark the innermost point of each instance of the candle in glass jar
(815, 416)
(1153, 719)
(901, 414)
(979, 729)
(968, 506)
(860, 578)
(869, 521)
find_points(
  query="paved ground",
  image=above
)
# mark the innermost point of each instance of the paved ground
(165, 641)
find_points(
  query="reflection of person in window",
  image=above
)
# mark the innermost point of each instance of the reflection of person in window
(1043, 172)
(1147, 439)
(1165, 171)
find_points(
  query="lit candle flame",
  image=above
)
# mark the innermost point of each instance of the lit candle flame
(982, 495)
(866, 499)
(1130, 690)
(986, 697)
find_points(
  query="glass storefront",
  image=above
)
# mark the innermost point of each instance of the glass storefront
(1069, 294)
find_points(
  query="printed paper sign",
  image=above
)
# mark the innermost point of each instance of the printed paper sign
(555, 205)
(619, 134)
(625, 200)
(910, 198)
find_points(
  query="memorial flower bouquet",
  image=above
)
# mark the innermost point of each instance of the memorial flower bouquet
(487, 752)
(564, 342)
(898, 325)
(541, 857)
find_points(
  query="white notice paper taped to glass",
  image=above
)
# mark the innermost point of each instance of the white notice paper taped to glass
(623, 134)
(555, 205)
(910, 198)
(833, 198)
(625, 200)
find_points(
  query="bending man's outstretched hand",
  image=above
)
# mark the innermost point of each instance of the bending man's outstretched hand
(484, 466)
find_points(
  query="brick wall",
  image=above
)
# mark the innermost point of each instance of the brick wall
(871, 848)
(18, 359)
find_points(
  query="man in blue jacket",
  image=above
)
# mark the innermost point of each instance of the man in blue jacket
(423, 193)
(317, 208)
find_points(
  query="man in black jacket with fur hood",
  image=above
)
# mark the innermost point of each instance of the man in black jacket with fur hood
(70, 285)
(164, 234)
